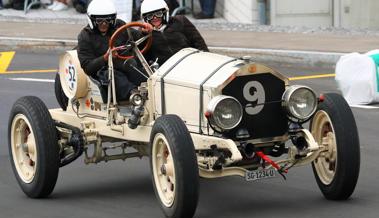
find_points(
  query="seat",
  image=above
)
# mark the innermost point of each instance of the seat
(29, 4)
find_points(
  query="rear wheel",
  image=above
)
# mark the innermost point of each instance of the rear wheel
(337, 168)
(33, 147)
(174, 167)
(59, 93)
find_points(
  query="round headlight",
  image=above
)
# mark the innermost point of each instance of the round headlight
(300, 102)
(224, 112)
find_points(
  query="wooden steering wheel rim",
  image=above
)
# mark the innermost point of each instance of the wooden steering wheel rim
(123, 28)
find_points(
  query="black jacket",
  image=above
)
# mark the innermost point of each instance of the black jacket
(92, 45)
(179, 33)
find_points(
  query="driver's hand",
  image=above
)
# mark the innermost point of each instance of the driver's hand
(148, 28)
(106, 55)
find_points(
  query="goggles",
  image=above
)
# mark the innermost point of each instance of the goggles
(157, 14)
(107, 20)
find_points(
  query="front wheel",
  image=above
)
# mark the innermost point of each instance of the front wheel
(33, 147)
(337, 168)
(174, 167)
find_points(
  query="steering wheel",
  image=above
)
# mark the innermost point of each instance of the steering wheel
(131, 41)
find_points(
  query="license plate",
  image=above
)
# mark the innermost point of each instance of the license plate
(260, 174)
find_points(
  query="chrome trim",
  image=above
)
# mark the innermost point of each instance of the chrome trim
(214, 102)
(260, 69)
(136, 99)
(286, 98)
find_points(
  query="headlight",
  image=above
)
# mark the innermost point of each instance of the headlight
(300, 102)
(224, 112)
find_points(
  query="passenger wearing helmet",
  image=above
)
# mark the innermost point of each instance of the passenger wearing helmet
(93, 53)
(170, 34)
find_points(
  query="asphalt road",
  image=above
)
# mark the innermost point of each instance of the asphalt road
(124, 189)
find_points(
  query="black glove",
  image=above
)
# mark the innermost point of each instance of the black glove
(102, 76)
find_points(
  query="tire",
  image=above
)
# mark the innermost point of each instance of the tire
(174, 168)
(59, 93)
(336, 170)
(33, 147)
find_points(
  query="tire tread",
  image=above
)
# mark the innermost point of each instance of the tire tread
(46, 140)
(177, 134)
(348, 149)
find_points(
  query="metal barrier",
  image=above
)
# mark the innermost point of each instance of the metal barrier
(30, 4)
(183, 7)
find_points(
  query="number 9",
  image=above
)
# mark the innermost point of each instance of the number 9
(254, 92)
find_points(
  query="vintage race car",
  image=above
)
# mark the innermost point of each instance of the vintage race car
(200, 114)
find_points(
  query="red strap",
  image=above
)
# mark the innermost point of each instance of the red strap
(267, 159)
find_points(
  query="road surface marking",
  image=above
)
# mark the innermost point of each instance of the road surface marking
(33, 80)
(56, 70)
(5, 60)
(312, 77)
(39, 39)
(266, 50)
(364, 106)
(31, 71)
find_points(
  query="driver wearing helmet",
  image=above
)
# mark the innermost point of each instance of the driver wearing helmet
(170, 34)
(93, 48)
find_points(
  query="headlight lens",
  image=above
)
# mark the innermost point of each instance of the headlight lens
(224, 112)
(300, 102)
